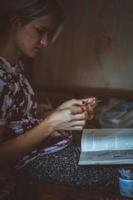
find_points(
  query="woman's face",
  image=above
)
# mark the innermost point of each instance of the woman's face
(32, 37)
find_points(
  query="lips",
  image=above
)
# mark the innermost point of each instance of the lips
(37, 49)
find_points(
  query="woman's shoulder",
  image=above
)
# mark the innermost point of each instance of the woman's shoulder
(5, 71)
(2, 65)
(6, 80)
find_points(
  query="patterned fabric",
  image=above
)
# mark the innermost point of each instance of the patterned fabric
(62, 168)
(18, 108)
(19, 113)
(55, 142)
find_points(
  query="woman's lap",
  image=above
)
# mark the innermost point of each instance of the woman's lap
(62, 168)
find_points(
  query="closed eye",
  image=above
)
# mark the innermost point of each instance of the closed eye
(42, 31)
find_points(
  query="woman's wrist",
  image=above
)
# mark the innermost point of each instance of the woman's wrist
(43, 129)
(47, 125)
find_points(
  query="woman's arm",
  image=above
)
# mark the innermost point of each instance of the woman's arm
(14, 149)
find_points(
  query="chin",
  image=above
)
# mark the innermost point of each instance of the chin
(31, 55)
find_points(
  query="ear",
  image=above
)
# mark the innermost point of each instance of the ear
(15, 22)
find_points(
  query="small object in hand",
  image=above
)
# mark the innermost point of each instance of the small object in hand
(89, 105)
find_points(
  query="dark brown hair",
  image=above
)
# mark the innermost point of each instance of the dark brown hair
(27, 10)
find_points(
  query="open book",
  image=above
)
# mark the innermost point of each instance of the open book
(106, 146)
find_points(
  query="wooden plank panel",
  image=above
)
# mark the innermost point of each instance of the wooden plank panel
(94, 49)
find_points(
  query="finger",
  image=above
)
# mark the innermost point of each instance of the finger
(72, 102)
(89, 108)
(80, 116)
(80, 128)
(94, 103)
(83, 107)
(76, 128)
(89, 105)
(78, 123)
(69, 103)
(90, 117)
(88, 100)
(86, 115)
(77, 102)
(76, 109)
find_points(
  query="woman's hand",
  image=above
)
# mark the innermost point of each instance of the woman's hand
(65, 120)
(88, 106)
(72, 114)
(83, 105)
(71, 103)
(68, 116)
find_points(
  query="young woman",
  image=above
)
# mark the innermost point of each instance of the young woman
(27, 26)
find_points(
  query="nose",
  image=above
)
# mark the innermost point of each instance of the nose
(44, 40)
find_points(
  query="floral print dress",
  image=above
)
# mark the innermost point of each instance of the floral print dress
(19, 113)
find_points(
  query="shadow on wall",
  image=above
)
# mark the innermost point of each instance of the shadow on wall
(94, 49)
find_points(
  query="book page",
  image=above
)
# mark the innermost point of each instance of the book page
(107, 139)
(106, 157)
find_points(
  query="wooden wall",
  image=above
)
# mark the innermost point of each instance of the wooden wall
(95, 49)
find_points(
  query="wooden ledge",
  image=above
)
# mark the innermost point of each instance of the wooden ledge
(118, 93)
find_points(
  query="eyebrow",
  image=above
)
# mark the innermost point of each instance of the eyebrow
(46, 29)
(43, 28)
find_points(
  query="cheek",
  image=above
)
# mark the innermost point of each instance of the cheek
(27, 40)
